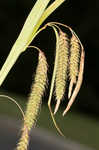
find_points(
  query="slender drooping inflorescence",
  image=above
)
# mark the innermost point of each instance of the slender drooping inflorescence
(34, 101)
(62, 65)
(74, 62)
(78, 83)
(74, 58)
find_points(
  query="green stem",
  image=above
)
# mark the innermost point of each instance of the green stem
(36, 17)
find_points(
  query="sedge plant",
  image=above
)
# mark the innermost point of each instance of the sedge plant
(68, 66)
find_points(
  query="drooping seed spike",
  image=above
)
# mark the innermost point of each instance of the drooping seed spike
(62, 65)
(78, 84)
(74, 62)
(34, 101)
(53, 81)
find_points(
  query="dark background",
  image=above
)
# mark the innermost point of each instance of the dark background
(82, 16)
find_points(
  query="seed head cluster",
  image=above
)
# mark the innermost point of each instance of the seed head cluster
(68, 62)
(68, 66)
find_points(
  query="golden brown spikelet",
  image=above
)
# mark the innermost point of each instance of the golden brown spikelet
(79, 82)
(74, 58)
(74, 62)
(34, 101)
(62, 65)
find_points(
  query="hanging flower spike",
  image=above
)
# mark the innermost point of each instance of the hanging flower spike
(61, 72)
(53, 79)
(78, 83)
(34, 102)
(74, 62)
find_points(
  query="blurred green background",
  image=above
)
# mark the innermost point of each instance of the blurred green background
(76, 126)
(82, 122)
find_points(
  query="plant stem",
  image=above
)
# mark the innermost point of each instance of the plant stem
(24, 38)
(36, 17)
